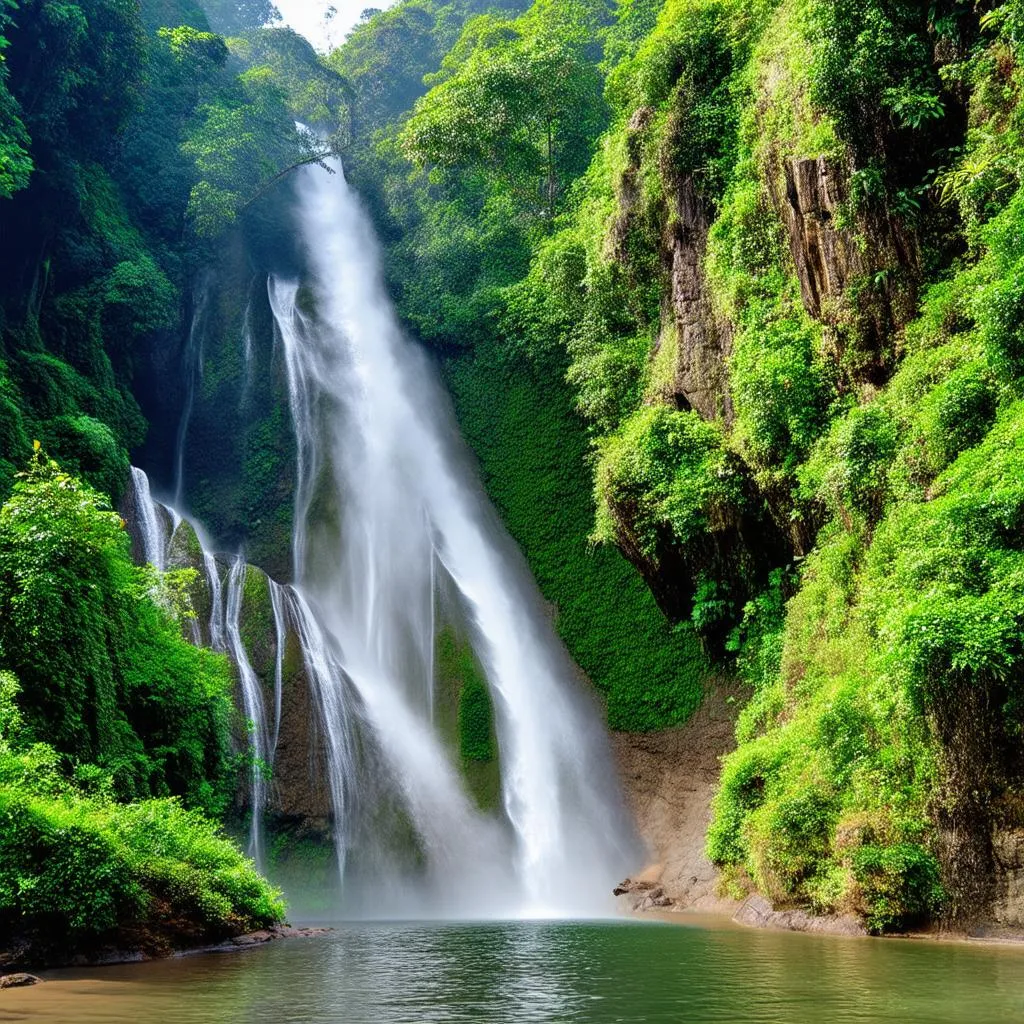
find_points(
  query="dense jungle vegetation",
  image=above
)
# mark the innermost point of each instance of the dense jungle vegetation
(729, 299)
(127, 139)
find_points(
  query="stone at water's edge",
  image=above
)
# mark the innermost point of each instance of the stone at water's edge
(18, 980)
(759, 913)
(644, 895)
(670, 778)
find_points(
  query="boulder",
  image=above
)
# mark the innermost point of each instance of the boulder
(18, 980)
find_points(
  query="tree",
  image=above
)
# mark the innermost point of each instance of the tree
(15, 163)
(242, 142)
(523, 104)
(233, 17)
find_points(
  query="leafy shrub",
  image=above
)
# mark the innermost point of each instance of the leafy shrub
(79, 872)
(899, 884)
(88, 449)
(848, 470)
(780, 391)
(669, 469)
(108, 676)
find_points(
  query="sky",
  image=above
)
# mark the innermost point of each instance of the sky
(309, 18)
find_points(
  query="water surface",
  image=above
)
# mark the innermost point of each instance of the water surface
(514, 973)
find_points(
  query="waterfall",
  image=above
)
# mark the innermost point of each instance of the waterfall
(377, 442)
(252, 704)
(150, 521)
(248, 350)
(213, 581)
(393, 540)
(224, 633)
(192, 363)
(278, 598)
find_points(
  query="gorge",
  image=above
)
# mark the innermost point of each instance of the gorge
(528, 445)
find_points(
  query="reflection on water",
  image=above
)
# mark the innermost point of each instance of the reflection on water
(514, 973)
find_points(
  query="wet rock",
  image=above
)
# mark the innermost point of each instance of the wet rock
(646, 894)
(255, 938)
(757, 912)
(18, 980)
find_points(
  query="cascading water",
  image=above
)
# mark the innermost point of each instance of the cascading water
(278, 598)
(252, 703)
(193, 366)
(391, 524)
(150, 517)
(156, 524)
(377, 446)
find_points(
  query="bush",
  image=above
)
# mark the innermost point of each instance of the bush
(88, 449)
(107, 674)
(669, 469)
(848, 471)
(79, 872)
(899, 885)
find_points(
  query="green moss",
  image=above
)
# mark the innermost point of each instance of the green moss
(533, 456)
(257, 621)
(464, 716)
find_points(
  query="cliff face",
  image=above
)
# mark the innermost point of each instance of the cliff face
(217, 400)
(802, 464)
(858, 273)
(703, 341)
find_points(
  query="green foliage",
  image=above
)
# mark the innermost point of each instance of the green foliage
(317, 95)
(668, 469)
(241, 141)
(780, 390)
(108, 676)
(533, 452)
(515, 99)
(231, 17)
(870, 57)
(15, 162)
(79, 872)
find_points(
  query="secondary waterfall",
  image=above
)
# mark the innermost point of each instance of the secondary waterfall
(387, 502)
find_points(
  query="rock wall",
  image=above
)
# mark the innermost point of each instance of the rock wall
(1008, 902)
(670, 778)
(703, 342)
(226, 377)
(858, 269)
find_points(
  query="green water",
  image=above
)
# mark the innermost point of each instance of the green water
(546, 972)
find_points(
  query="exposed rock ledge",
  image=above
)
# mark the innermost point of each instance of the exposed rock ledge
(669, 778)
(18, 980)
(757, 912)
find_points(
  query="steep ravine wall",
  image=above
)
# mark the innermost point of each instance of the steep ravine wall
(790, 299)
